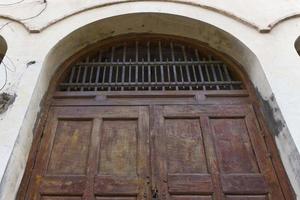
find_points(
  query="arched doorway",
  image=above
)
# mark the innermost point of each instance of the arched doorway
(152, 117)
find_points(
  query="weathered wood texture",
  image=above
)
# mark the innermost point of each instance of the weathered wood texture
(215, 150)
(92, 151)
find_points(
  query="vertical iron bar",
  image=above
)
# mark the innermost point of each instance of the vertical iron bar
(149, 66)
(136, 66)
(194, 71)
(169, 75)
(174, 67)
(71, 78)
(161, 66)
(214, 72)
(123, 67)
(181, 73)
(227, 76)
(111, 69)
(117, 66)
(98, 71)
(78, 75)
(206, 70)
(221, 74)
(129, 77)
(91, 73)
(143, 74)
(187, 67)
(84, 74)
(155, 73)
(200, 69)
(103, 75)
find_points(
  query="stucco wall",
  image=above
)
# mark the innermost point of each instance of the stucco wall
(38, 45)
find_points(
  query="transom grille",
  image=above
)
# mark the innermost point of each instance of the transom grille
(153, 64)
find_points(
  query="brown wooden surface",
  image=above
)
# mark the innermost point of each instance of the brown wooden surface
(215, 150)
(92, 152)
(128, 152)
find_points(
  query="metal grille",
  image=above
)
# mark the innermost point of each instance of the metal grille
(156, 64)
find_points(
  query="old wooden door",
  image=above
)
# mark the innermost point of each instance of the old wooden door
(212, 152)
(93, 153)
(192, 152)
(153, 117)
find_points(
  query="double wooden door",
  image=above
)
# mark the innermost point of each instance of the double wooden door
(180, 152)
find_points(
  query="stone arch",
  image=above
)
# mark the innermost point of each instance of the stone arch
(159, 23)
(171, 24)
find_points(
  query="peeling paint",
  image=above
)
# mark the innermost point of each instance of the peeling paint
(237, 41)
(271, 113)
(5, 101)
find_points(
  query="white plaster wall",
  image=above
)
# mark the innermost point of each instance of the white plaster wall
(270, 60)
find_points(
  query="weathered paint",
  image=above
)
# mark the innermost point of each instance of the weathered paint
(270, 61)
(5, 101)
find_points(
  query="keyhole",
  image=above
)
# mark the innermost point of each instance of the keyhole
(155, 195)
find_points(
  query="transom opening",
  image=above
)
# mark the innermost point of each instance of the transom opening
(150, 64)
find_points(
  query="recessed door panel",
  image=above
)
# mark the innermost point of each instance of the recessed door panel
(72, 137)
(181, 155)
(185, 146)
(118, 147)
(92, 152)
(233, 146)
(215, 150)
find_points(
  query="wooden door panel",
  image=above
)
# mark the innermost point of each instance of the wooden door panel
(109, 185)
(190, 183)
(242, 156)
(239, 169)
(59, 172)
(118, 148)
(123, 164)
(244, 184)
(186, 159)
(185, 151)
(233, 147)
(90, 152)
(72, 137)
(180, 148)
(62, 185)
(229, 162)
